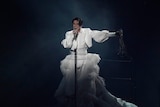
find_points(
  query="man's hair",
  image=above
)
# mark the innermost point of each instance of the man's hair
(79, 20)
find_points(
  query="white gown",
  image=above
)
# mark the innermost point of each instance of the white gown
(91, 91)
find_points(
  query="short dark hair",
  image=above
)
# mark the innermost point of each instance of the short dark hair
(79, 20)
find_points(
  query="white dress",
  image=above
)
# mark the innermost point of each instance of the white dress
(91, 91)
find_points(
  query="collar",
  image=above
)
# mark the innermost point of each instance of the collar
(81, 30)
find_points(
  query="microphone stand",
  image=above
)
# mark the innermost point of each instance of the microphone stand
(75, 77)
(75, 66)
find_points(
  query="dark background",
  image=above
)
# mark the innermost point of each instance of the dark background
(31, 51)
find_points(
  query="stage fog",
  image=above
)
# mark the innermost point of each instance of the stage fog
(32, 51)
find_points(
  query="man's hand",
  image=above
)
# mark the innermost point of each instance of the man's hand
(119, 32)
(75, 31)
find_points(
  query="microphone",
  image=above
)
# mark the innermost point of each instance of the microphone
(75, 34)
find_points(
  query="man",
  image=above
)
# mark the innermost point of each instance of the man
(91, 91)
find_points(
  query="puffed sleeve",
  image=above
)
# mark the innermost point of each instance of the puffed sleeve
(67, 42)
(101, 36)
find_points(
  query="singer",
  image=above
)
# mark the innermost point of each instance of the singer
(91, 91)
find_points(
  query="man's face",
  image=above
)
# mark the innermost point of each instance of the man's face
(76, 25)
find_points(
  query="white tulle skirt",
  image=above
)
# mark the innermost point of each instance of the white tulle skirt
(91, 91)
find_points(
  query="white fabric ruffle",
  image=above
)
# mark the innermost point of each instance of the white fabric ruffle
(91, 91)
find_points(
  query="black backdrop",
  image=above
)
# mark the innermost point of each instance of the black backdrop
(31, 52)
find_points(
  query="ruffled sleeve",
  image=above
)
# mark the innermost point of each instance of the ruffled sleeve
(101, 36)
(88, 37)
(67, 42)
